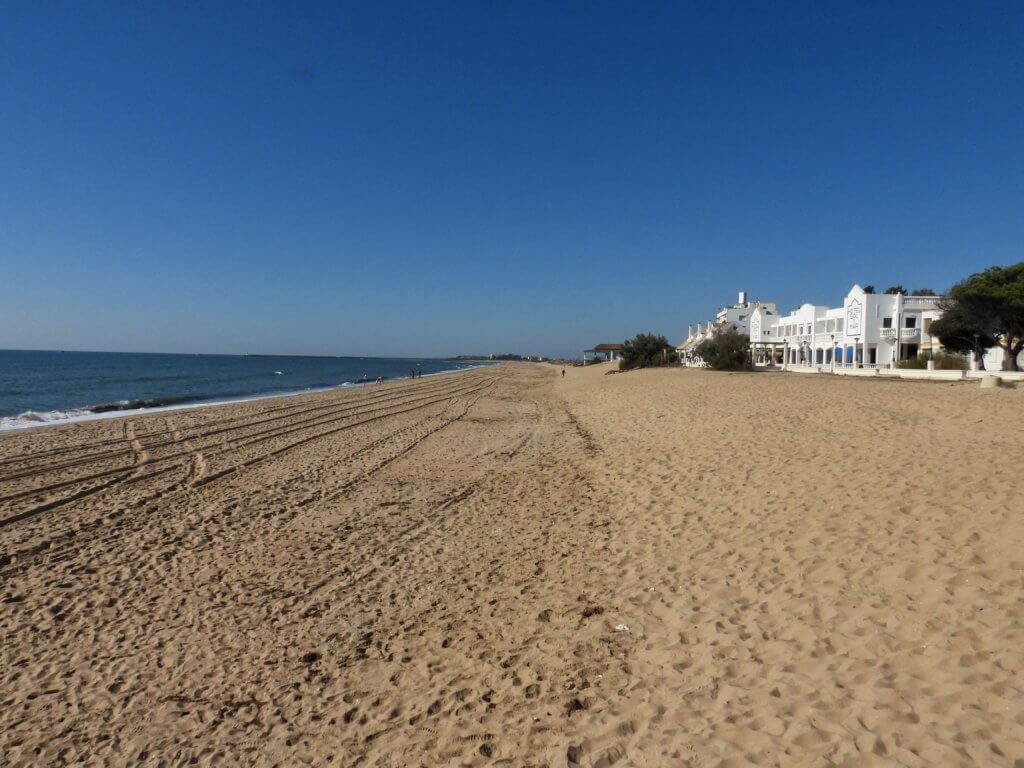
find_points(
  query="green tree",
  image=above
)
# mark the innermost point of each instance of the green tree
(989, 305)
(729, 351)
(869, 289)
(645, 350)
(956, 331)
(923, 292)
(893, 290)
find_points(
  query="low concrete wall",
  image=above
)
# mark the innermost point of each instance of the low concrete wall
(910, 373)
(915, 373)
(1004, 375)
(856, 371)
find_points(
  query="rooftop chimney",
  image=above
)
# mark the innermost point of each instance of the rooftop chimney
(743, 297)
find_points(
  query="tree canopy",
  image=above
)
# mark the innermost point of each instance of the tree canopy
(869, 289)
(729, 351)
(988, 309)
(956, 332)
(646, 350)
(892, 290)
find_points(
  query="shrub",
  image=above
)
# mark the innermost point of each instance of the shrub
(918, 363)
(944, 361)
(645, 350)
(729, 351)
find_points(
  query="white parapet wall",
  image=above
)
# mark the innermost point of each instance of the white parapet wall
(917, 373)
(855, 371)
(1004, 375)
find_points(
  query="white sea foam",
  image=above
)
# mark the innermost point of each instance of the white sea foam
(40, 418)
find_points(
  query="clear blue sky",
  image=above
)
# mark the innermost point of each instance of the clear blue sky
(437, 178)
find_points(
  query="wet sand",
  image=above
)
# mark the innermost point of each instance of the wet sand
(504, 567)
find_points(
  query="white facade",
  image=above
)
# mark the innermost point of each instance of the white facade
(733, 318)
(869, 330)
(737, 317)
(695, 336)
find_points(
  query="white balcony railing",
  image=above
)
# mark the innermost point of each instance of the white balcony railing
(905, 334)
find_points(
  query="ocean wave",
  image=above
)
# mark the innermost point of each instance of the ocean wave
(36, 418)
(134, 405)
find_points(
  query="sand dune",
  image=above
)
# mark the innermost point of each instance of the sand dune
(504, 567)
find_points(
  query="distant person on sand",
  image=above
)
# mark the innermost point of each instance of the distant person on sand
(419, 374)
(380, 380)
(563, 373)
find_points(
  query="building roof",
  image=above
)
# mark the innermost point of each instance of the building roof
(607, 348)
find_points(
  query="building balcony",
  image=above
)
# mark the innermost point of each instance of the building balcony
(905, 334)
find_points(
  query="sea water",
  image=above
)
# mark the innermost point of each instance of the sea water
(39, 388)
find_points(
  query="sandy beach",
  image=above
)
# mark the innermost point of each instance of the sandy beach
(504, 567)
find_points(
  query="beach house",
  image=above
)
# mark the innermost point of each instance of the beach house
(602, 352)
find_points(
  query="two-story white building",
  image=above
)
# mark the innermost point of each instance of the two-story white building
(869, 330)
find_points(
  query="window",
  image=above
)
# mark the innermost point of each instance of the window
(887, 322)
(911, 321)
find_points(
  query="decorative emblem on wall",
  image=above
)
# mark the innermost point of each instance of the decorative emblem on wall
(854, 311)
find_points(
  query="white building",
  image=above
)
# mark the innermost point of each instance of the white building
(733, 318)
(695, 335)
(869, 330)
(737, 317)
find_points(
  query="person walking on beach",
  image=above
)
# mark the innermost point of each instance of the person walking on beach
(563, 373)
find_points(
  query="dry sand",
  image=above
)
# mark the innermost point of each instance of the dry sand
(813, 570)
